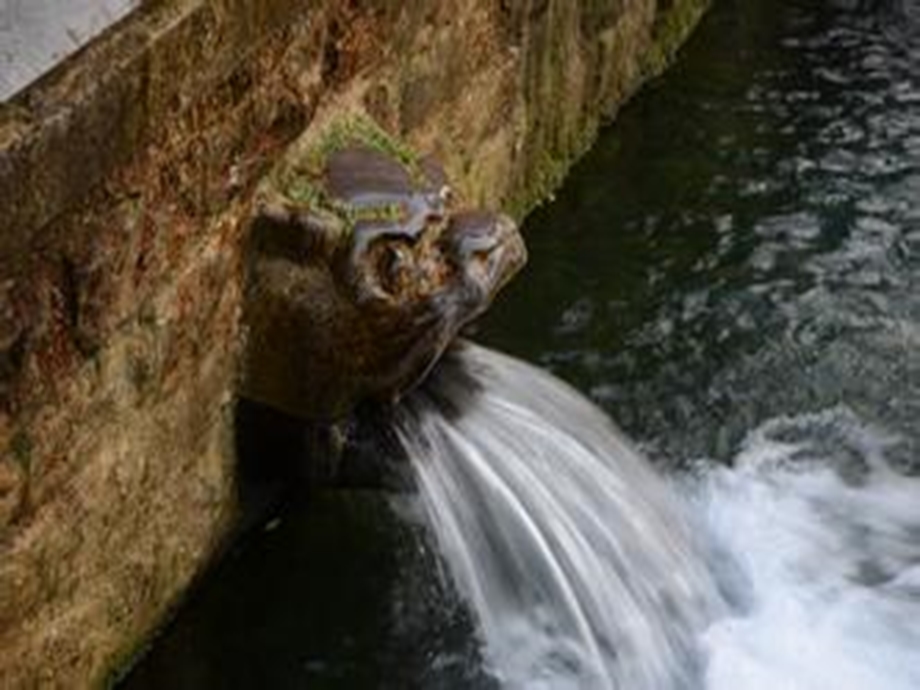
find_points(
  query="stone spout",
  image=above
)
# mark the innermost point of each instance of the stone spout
(362, 270)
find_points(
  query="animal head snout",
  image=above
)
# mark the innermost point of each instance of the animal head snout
(487, 246)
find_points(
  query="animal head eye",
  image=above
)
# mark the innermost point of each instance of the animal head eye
(393, 267)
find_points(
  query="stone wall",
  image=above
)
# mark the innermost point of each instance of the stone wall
(125, 179)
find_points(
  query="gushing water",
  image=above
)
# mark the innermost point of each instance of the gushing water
(579, 562)
(796, 568)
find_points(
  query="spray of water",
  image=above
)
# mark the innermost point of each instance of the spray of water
(822, 536)
(795, 568)
(579, 563)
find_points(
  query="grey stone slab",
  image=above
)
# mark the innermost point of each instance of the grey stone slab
(35, 35)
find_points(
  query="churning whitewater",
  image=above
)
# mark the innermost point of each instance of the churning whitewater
(796, 568)
(821, 531)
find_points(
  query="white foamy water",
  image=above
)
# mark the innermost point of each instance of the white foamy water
(823, 539)
(798, 568)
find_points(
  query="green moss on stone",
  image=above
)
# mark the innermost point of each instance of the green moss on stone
(672, 26)
(303, 190)
(300, 179)
(547, 176)
(358, 129)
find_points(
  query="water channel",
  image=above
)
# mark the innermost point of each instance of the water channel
(732, 274)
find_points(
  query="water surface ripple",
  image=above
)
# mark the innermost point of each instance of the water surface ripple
(745, 241)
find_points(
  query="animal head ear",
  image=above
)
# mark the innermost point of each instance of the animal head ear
(298, 234)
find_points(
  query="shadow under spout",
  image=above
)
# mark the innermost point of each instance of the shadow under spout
(281, 454)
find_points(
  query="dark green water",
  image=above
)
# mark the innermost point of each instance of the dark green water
(741, 246)
(742, 243)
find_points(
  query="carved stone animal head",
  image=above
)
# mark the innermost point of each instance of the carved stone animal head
(358, 286)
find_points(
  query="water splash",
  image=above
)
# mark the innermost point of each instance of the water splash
(821, 533)
(578, 561)
(797, 567)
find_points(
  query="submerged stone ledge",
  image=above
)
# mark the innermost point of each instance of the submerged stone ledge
(127, 178)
